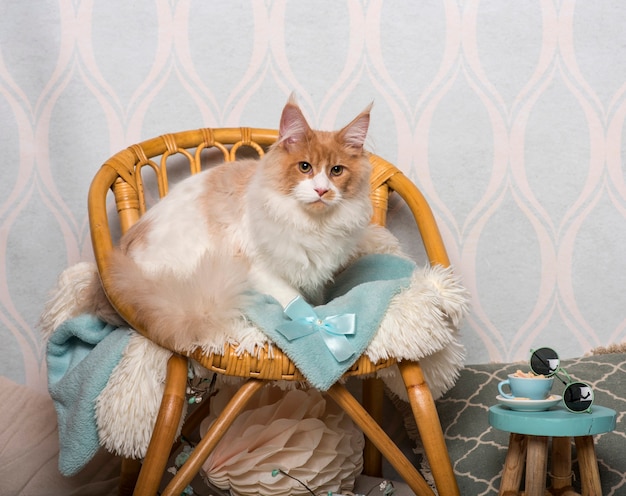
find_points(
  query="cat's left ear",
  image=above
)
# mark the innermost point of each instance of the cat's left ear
(354, 134)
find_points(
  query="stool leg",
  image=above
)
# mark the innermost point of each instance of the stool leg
(536, 465)
(513, 465)
(561, 464)
(588, 463)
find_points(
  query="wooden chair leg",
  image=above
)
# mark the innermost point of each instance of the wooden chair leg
(373, 400)
(192, 422)
(588, 465)
(536, 465)
(429, 426)
(165, 428)
(128, 476)
(380, 439)
(203, 449)
(513, 465)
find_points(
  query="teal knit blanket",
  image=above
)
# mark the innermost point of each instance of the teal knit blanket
(81, 354)
(325, 341)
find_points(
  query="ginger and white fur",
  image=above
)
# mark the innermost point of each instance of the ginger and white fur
(283, 225)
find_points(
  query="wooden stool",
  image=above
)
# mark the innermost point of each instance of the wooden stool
(528, 445)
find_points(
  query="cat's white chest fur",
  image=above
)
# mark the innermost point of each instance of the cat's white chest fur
(301, 249)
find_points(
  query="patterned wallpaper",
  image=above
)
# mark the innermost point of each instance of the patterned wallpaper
(509, 115)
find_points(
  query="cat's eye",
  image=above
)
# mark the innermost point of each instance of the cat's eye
(336, 170)
(305, 167)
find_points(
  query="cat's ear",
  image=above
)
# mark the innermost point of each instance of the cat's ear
(293, 126)
(354, 134)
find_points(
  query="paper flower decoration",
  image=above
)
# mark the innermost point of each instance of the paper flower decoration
(298, 432)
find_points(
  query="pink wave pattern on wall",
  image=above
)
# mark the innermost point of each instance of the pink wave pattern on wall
(502, 114)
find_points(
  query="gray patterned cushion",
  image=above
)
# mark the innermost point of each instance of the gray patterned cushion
(478, 450)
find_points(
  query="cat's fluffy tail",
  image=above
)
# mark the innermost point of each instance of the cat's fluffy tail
(181, 313)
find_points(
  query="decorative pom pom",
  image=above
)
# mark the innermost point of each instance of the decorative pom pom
(297, 432)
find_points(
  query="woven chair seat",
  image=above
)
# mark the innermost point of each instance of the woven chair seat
(274, 366)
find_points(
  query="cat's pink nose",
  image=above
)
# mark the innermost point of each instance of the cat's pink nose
(321, 191)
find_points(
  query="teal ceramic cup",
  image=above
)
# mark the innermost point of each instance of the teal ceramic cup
(532, 388)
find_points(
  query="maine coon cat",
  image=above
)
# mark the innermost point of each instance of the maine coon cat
(283, 225)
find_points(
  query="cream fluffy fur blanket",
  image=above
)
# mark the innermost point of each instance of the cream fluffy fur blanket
(421, 323)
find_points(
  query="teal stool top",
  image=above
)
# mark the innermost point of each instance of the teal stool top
(557, 421)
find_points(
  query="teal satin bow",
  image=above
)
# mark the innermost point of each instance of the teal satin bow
(333, 329)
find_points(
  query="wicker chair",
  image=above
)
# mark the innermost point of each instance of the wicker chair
(123, 175)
